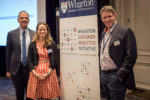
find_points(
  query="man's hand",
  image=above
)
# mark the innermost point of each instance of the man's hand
(120, 79)
(8, 74)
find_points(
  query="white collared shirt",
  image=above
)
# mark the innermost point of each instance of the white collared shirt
(27, 35)
(106, 62)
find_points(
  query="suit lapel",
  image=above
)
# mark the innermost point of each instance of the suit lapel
(18, 37)
(114, 35)
(102, 36)
(31, 35)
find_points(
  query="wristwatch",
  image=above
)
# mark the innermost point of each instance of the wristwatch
(48, 73)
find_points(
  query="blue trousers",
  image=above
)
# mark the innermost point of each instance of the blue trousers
(111, 86)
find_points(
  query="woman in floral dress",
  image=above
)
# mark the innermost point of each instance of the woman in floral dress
(43, 83)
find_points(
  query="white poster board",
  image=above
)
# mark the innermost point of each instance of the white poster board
(79, 65)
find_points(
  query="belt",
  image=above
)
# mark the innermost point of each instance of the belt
(109, 71)
(43, 60)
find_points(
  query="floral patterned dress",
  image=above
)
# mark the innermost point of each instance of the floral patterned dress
(47, 88)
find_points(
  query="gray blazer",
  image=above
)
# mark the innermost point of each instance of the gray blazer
(13, 50)
(123, 53)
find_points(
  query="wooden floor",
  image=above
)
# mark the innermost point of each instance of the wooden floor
(7, 92)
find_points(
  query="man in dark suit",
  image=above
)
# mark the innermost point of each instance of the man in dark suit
(16, 51)
(118, 53)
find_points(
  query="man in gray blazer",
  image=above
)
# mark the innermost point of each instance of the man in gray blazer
(16, 51)
(118, 53)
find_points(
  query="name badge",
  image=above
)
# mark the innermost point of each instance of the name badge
(49, 50)
(116, 43)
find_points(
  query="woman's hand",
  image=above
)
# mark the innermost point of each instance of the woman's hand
(36, 74)
(45, 75)
(42, 76)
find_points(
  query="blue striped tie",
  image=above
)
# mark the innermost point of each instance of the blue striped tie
(24, 58)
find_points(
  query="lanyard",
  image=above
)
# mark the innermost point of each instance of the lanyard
(104, 43)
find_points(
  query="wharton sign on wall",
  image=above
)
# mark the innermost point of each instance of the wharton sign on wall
(79, 50)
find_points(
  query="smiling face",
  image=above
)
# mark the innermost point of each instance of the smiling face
(23, 19)
(42, 31)
(108, 18)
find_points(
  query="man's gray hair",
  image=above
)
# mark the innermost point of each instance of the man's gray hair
(22, 12)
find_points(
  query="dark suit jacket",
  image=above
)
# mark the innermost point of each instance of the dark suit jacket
(33, 56)
(13, 50)
(123, 53)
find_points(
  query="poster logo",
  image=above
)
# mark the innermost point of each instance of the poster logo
(64, 7)
(74, 8)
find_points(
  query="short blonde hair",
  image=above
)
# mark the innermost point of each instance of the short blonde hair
(107, 8)
(48, 38)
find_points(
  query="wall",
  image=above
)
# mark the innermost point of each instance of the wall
(136, 15)
(41, 11)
